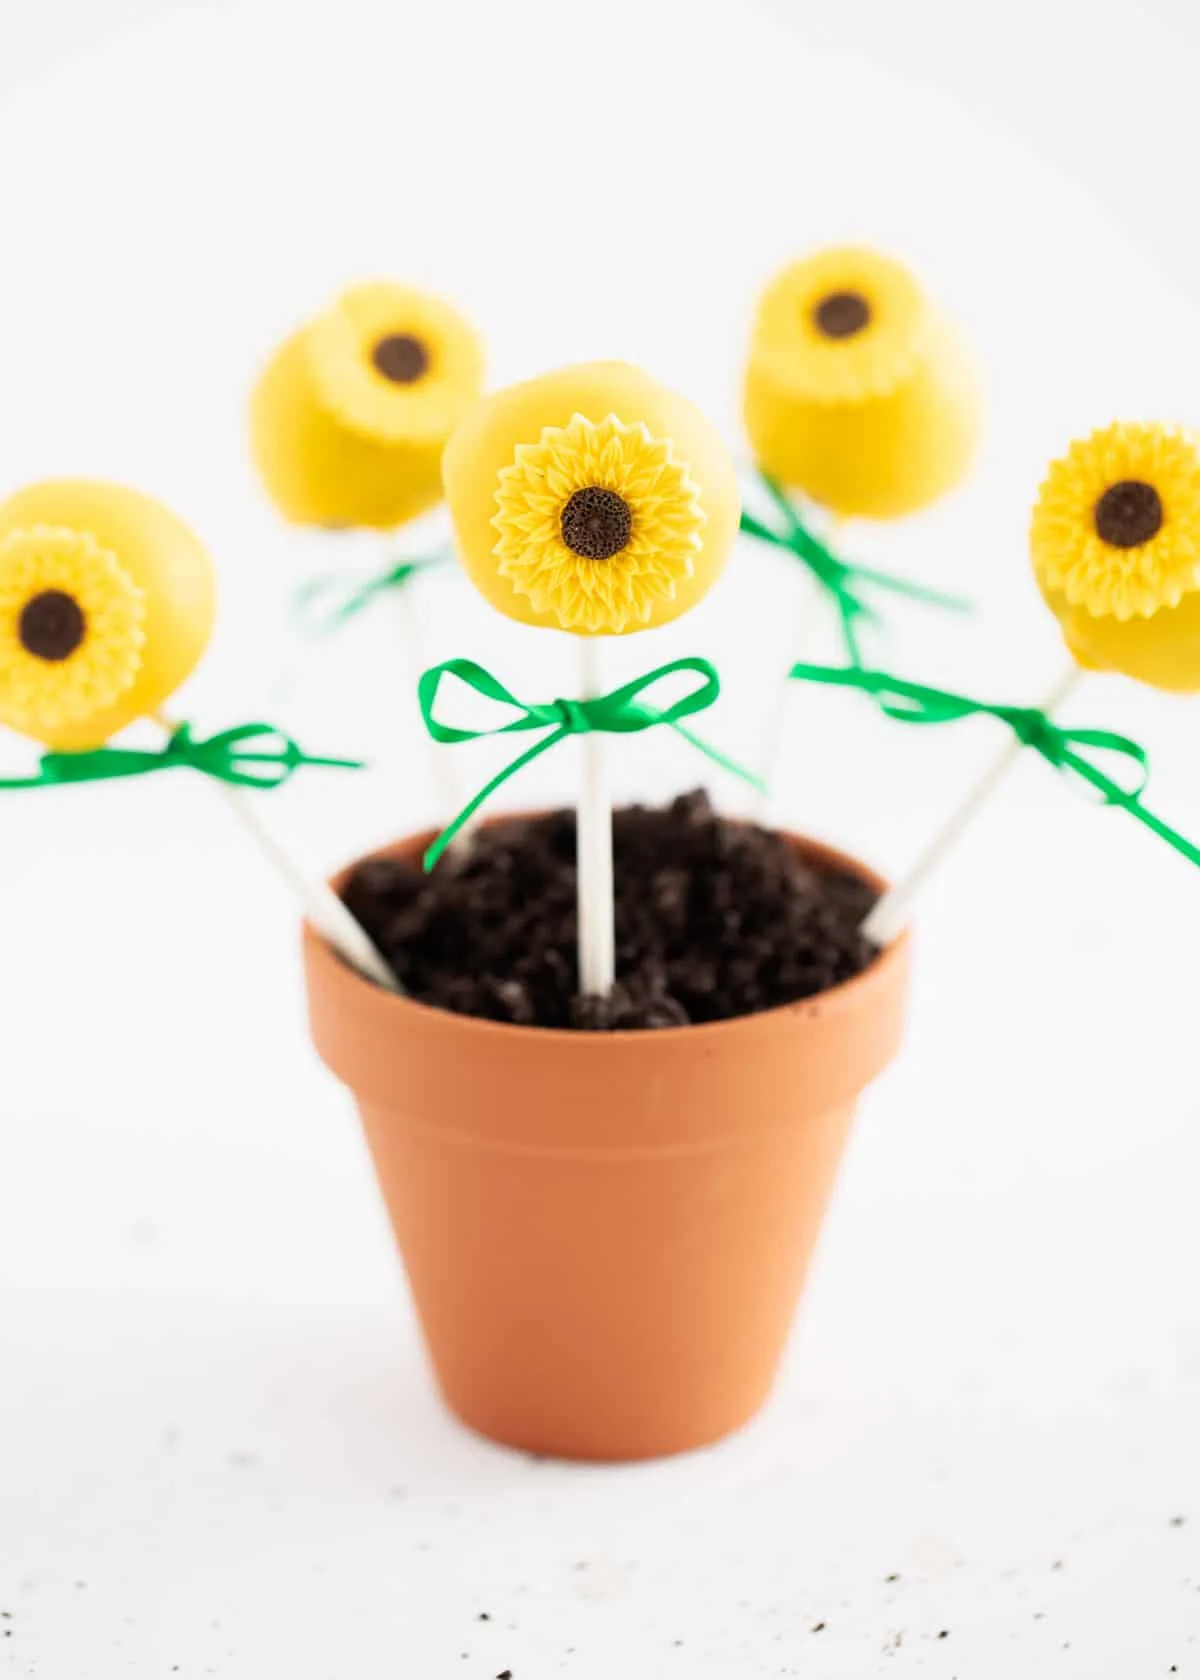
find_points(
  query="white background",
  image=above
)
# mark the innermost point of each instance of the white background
(219, 1450)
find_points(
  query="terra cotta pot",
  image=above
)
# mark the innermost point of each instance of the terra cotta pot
(606, 1233)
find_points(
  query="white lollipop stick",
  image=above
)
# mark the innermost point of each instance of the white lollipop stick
(317, 899)
(891, 913)
(594, 844)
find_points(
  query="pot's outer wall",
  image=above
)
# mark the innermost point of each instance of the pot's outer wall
(606, 1234)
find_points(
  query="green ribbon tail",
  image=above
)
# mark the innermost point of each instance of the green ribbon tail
(455, 827)
(1114, 794)
(755, 528)
(717, 757)
(1172, 836)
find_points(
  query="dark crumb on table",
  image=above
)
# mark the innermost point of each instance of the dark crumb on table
(1178, 1522)
(715, 919)
(484, 1616)
(890, 1580)
(944, 1634)
(505, 1674)
(1057, 1564)
(817, 1627)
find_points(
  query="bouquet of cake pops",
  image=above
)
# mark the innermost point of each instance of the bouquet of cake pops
(606, 1059)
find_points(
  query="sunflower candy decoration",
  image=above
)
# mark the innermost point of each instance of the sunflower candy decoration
(1115, 546)
(590, 500)
(348, 422)
(860, 398)
(107, 603)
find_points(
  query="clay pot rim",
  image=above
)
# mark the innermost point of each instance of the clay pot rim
(696, 1033)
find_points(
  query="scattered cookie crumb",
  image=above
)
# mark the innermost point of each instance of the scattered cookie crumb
(817, 1627)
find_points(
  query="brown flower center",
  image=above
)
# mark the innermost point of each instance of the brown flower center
(51, 625)
(401, 358)
(1129, 514)
(596, 523)
(842, 314)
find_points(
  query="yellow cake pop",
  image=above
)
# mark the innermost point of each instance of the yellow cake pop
(106, 605)
(591, 500)
(1115, 544)
(350, 417)
(858, 393)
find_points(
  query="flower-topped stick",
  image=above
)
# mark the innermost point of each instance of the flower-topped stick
(348, 423)
(107, 603)
(890, 914)
(592, 501)
(318, 902)
(860, 397)
(1115, 545)
(594, 843)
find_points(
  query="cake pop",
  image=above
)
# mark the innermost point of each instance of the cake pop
(107, 602)
(591, 500)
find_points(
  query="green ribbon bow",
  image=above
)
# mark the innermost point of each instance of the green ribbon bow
(1065, 749)
(329, 602)
(623, 712)
(842, 580)
(227, 757)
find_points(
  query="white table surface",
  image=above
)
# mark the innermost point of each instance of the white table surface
(219, 1448)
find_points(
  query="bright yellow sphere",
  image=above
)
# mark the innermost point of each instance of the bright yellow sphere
(591, 500)
(350, 417)
(107, 603)
(857, 392)
(1115, 546)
